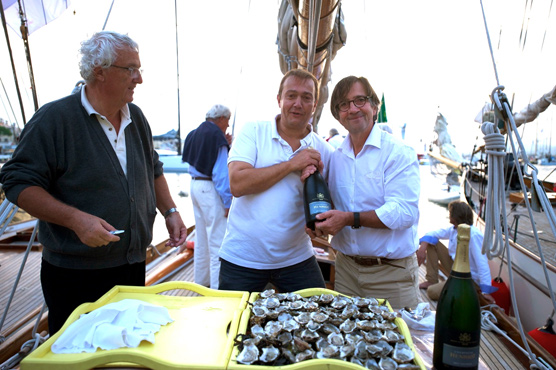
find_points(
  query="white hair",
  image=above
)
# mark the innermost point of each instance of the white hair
(218, 111)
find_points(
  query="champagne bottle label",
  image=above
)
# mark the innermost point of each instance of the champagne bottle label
(460, 357)
(319, 206)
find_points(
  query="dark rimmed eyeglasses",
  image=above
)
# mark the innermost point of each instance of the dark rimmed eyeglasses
(359, 102)
(134, 72)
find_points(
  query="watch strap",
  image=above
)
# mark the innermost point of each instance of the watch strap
(170, 211)
(356, 220)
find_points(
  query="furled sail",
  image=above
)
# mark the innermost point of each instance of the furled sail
(310, 32)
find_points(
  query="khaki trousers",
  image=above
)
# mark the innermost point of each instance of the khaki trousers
(435, 255)
(400, 286)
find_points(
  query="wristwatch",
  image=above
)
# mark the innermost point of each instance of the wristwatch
(170, 211)
(356, 221)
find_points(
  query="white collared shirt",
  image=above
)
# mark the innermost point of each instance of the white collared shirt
(117, 140)
(384, 177)
(267, 230)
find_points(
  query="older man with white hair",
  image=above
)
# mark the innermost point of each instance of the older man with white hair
(206, 150)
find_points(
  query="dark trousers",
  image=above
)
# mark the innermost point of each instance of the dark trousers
(65, 289)
(306, 274)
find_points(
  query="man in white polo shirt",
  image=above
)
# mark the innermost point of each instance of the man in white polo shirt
(265, 241)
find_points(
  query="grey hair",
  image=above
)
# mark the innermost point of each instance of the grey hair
(102, 50)
(218, 111)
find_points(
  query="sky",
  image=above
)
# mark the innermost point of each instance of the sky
(426, 57)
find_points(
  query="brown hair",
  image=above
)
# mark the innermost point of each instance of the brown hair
(461, 212)
(302, 74)
(342, 90)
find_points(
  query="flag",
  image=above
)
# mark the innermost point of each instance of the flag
(382, 114)
(37, 12)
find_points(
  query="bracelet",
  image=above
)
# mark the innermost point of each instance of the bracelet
(356, 220)
(170, 211)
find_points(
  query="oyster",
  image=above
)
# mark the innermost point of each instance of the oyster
(328, 328)
(319, 316)
(303, 318)
(273, 328)
(403, 353)
(305, 355)
(272, 302)
(270, 354)
(290, 325)
(326, 299)
(313, 325)
(300, 345)
(260, 311)
(372, 364)
(347, 350)
(339, 302)
(311, 306)
(248, 355)
(347, 326)
(285, 337)
(267, 293)
(258, 330)
(386, 363)
(373, 336)
(288, 355)
(393, 336)
(335, 339)
(385, 348)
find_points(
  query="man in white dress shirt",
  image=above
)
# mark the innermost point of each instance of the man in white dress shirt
(374, 183)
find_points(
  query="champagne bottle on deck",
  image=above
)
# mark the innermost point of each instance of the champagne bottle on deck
(316, 198)
(457, 331)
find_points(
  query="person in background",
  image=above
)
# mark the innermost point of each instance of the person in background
(374, 183)
(206, 150)
(265, 240)
(460, 213)
(86, 167)
(334, 139)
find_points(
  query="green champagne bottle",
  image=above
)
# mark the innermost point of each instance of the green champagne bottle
(457, 331)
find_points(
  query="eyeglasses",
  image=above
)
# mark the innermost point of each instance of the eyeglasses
(134, 72)
(359, 102)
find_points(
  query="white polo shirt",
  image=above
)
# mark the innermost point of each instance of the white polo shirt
(267, 230)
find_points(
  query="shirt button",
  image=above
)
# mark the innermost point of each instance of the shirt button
(132, 199)
(110, 129)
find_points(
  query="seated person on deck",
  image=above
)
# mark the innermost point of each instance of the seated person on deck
(460, 213)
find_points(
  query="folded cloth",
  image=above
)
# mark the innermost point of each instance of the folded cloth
(422, 318)
(120, 324)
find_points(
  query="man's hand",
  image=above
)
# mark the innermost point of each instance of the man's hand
(94, 231)
(331, 222)
(176, 230)
(422, 253)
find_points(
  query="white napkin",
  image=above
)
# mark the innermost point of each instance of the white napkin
(120, 324)
(422, 318)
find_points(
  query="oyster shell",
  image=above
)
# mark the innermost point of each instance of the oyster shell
(386, 363)
(248, 355)
(270, 354)
(403, 353)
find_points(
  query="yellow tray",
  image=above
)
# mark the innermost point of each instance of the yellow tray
(313, 364)
(201, 336)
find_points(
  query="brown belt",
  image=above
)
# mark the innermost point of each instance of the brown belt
(202, 178)
(374, 261)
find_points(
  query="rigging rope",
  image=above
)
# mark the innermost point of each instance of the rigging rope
(494, 215)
